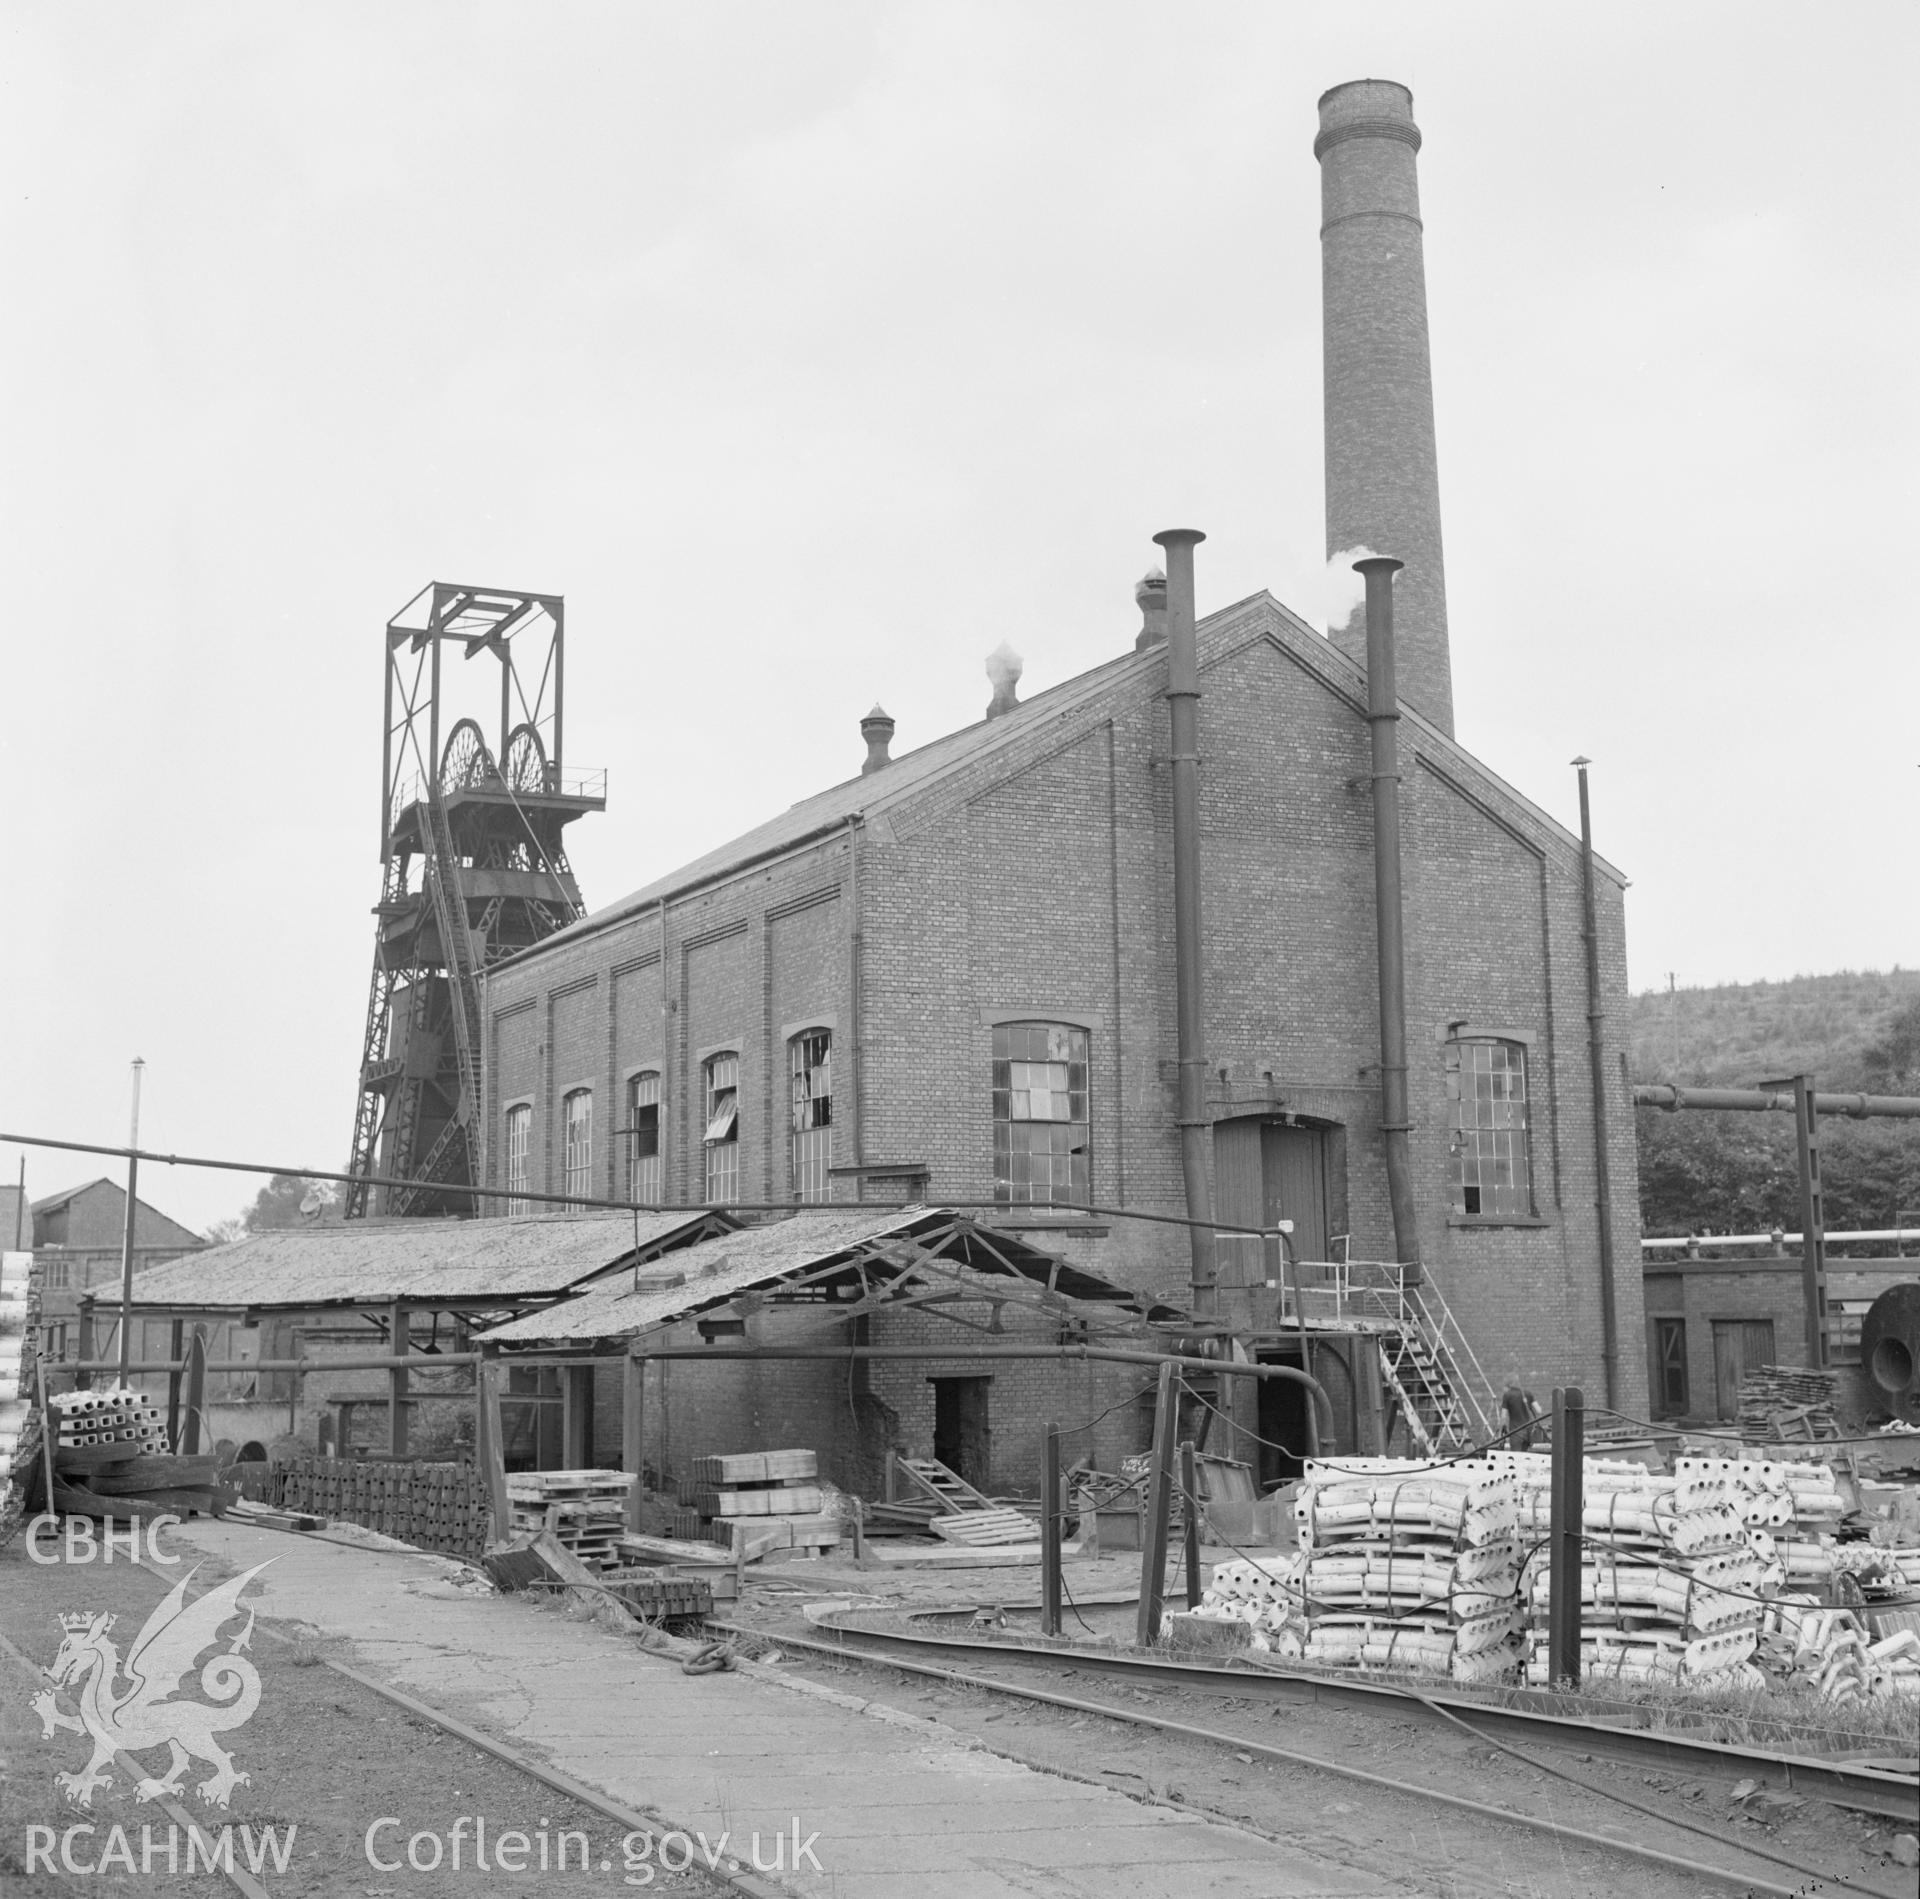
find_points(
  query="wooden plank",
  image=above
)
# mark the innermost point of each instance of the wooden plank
(576, 1414)
(633, 1429)
(397, 1341)
(667, 1549)
(974, 1527)
(491, 1454)
(955, 1556)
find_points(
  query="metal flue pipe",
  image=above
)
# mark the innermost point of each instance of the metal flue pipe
(1597, 1069)
(1383, 722)
(1183, 707)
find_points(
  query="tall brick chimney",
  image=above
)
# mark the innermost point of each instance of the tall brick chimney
(1383, 485)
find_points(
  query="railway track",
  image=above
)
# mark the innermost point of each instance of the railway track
(1877, 1791)
(1884, 1793)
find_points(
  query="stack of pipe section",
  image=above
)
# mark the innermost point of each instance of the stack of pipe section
(1267, 1595)
(1790, 1508)
(1670, 1583)
(1809, 1646)
(1409, 1566)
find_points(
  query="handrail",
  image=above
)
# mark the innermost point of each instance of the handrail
(1454, 1342)
(587, 781)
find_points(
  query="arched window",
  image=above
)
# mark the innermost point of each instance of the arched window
(1492, 1167)
(578, 1121)
(643, 1137)
(1041, 1134)
(519, 1136)
(810, 1141)
(722, 1074)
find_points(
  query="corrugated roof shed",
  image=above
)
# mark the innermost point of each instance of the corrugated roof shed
(758, 1258)
(366, 1262)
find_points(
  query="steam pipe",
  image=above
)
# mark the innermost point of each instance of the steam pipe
(1763, 1100)
(1596, 1064)
(1383, 721)
(1183, 707)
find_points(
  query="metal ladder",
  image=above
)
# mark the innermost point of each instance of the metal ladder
(456, 943)
(1446, 1397)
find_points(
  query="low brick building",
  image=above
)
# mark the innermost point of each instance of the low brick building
(78, 1237)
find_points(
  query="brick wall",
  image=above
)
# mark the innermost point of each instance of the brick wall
(1031, 877)
(730, 967)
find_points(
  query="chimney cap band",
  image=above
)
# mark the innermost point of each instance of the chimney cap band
(1403, 130)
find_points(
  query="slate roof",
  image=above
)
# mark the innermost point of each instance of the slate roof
(760, 1258)
(370, 1262)
(1219, 634)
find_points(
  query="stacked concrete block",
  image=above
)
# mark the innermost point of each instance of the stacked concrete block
(756, 1501)
(118, 1415)
(14, 1271)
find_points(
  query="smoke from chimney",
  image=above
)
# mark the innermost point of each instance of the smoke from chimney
(1151, 598)
(1342, 591)
(1004, 667)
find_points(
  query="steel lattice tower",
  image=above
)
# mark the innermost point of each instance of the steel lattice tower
(474, 869)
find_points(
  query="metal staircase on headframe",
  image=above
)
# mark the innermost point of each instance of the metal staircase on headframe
(475, 869)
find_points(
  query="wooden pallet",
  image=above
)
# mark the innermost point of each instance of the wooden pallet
(556, 1486)
(978, 1528)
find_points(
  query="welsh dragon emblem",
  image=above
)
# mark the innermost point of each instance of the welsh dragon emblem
(135, 1705)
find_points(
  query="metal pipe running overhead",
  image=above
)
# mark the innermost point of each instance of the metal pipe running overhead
(1183, 707)
(1101, 1354)
(1383, 721)
(1769, 1100)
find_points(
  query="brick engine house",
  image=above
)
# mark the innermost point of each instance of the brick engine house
(955, 980)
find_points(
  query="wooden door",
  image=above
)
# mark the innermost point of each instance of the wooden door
(1239, 1198)
(1294, 1163)
(1739, 1346)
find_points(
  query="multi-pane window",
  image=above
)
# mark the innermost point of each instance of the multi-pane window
(643, 1138)
(1040, 1124)
(519, 1135)
(1487, 1093)
(810, 1067)
(723, 1128)
(579, 1152)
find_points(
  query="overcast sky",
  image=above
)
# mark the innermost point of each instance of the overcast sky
(813, 350)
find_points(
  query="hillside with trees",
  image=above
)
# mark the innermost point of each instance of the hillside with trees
(1854, 1031)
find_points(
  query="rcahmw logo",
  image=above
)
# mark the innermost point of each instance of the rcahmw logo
(132, 1706)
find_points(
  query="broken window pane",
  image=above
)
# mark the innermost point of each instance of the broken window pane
(643, 1138)
(1041, 1138)
(722, 1074)
(1487, 1095)
(578, 1121)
